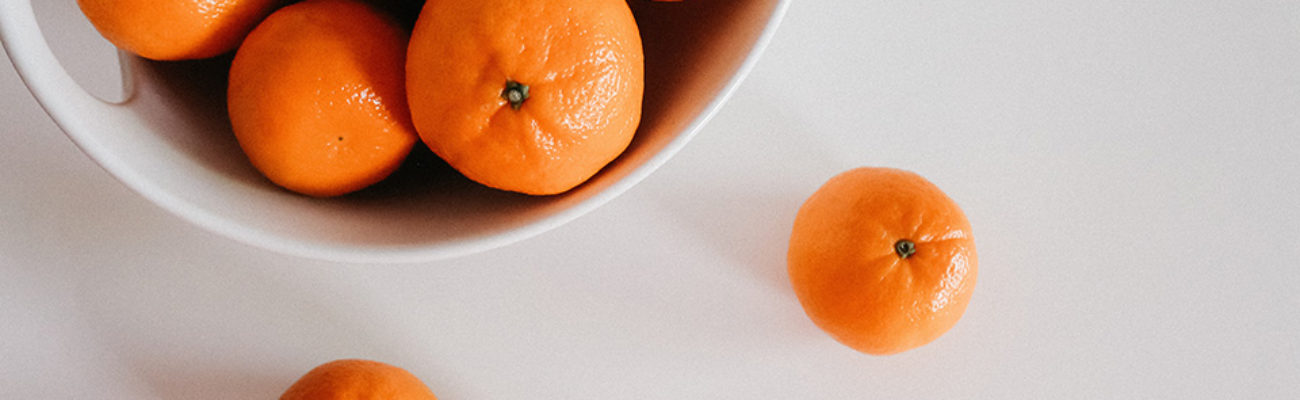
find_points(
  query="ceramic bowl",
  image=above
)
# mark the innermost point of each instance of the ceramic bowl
(171, 142)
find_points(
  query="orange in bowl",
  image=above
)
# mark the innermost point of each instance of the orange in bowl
(176, 29)
(532, 97)
(316, 97)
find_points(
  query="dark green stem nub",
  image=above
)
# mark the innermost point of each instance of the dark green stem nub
(904, 248)
(515, 93)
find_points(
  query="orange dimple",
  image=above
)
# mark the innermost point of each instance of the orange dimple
(176, 29)
(583, 66)
(882, 260)
(317, 99)
(358, 380)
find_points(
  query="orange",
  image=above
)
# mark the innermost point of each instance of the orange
(358, 380)
(176, 29)
(882, 260)
(523, 95)
(317, 99)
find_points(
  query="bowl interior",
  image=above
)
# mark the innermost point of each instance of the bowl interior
(183, 148)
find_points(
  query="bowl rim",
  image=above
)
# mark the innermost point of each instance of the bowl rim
(31, 56)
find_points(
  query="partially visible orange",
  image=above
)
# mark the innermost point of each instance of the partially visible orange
(354, 379)
(524, 95)
(317, 99)
(882, 260)
(176, 29)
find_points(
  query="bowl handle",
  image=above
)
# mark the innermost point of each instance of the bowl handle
(44, 76)
(82, 116)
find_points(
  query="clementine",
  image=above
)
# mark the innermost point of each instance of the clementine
(176, 29)
(882, 260)
(527, 96)
(353, 379)
(317, 99)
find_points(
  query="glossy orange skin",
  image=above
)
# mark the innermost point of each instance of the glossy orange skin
(582, 61)
(176, 29)
(853, 283)
(358, 380)
(317, 100)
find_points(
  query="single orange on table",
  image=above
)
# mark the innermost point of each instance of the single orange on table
(527, 96)
(317, 99)
(882, 260)
(176, 29)
(354, 379)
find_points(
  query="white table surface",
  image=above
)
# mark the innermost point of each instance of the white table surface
(1130, 168)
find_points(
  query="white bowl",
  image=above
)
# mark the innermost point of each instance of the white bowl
(170, 141)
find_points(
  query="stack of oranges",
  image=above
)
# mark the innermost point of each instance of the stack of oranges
(327, 97)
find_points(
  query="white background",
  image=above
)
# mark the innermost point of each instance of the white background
(1130, 169)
